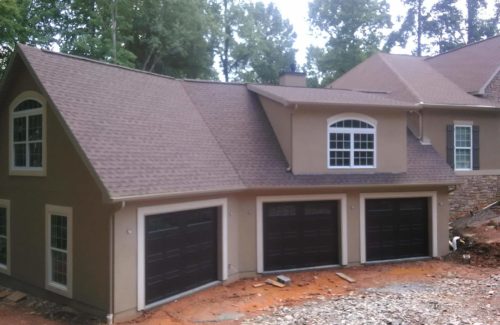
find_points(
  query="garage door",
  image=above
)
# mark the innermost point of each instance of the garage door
(181, 252)
(396, 228)
(300, 234)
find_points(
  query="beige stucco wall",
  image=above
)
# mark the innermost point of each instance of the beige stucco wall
(309, 140)
(68, 183)
(242, 235)
(434, 129)
(280, 118)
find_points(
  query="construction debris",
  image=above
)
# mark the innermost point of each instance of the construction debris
(16, 296)
(284, 279)
(258, 285)
(275, 283)
(345, 277)
(4, 293)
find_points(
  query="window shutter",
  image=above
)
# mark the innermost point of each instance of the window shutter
(475, 147)
(450, 146)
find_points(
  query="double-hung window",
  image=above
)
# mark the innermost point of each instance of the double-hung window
(4, 236)
(351, 144)
(59, 221)
(27, 135)
(463, 147)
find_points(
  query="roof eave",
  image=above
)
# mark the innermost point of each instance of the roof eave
(267, 94)
(408, 107)
(488, 108)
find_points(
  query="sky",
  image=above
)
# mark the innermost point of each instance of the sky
(296, 11)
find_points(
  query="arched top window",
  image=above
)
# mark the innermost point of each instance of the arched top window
(27, 134)
(351, 143)
(28, 104)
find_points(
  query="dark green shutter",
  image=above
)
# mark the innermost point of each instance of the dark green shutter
(450, 145)
(475, 147)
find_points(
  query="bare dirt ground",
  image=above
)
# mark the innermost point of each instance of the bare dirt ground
(313, 295)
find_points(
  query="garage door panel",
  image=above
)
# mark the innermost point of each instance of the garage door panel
(396, 228)
(300, 234)
(181, 252)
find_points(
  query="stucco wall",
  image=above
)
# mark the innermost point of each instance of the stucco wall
(68, 183)
(309, 140)
(435, 123)
(280, 118)
(242, 235)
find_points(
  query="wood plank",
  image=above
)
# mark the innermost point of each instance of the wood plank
(275, 283)
(16, 296)
(258, 285)
(345, 277)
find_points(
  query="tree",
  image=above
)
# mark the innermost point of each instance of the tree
(353, 29)
(266, 45)
(444, 26)
(477, 28)
(10, 27)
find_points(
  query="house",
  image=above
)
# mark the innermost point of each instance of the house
(121, 190)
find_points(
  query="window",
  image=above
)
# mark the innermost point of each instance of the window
(27, 135)
(59, 249)
(463, 147)
(351, 144)
(4, 236)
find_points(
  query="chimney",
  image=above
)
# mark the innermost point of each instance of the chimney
(292, 78)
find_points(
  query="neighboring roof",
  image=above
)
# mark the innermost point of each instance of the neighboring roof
(409, 79)
(145, 135)
(322, 96)
(471, 66)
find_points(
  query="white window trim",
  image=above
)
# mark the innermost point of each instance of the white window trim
(65, 290)
(352, 131)
(5, 268)
(141, 242)
(471, 148)
(395, 195)
(28, 171)
(297, 198)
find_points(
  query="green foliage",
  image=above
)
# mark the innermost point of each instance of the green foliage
(354, 31)
(10, 28)
(266, 45)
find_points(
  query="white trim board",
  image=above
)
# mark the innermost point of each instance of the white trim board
(395, 195)
(157, 209)
(295, 198)
(6, 268)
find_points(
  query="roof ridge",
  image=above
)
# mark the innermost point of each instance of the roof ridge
(462, 47)
(214, 82)
(82, 58)
(236, 170)
(398, 75)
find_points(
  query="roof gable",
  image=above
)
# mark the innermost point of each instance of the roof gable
(471, 66)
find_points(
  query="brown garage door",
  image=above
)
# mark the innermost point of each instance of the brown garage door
(396, 228)
(181, 252)
(300, 234)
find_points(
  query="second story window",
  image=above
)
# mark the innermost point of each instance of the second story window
(351, 144)
(27, 135)
(463, 147)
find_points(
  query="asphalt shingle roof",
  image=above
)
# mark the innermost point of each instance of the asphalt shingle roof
(145, 134)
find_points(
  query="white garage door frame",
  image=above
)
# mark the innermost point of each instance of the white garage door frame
(396, 195)
(141, 242)
(298, 198)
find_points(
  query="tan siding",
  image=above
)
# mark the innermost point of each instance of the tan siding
(310, 140)
(280, 119)
(68, 183)
(489, 124)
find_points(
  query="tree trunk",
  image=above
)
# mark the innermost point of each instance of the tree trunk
(419, 28)
(227, 32)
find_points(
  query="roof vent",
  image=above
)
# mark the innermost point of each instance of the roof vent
(293, 78)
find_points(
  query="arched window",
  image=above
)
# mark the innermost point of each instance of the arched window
(27, 133)
(351, 143)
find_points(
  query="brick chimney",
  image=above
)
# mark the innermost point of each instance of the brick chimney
(292, 78)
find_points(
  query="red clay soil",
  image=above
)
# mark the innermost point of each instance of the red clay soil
(11, 314)
(242, 298)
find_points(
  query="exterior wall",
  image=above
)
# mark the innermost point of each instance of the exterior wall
(435, 122)
(413, 123)
(492, 91)
(475, 192)
(309, 140)
(68, 183)
(293, 79)
(280, 118)
(242, 235)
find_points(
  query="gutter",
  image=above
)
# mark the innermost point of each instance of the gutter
(460, 106)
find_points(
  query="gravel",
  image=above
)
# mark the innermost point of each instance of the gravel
(449, 301)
